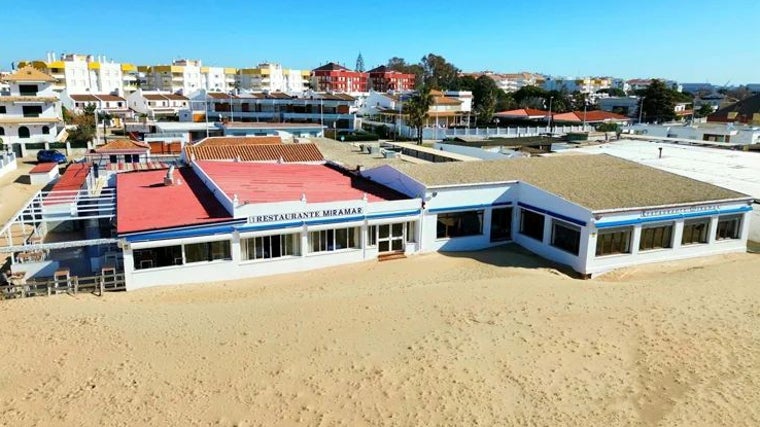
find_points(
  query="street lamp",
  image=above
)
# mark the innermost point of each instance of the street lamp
(551, 98)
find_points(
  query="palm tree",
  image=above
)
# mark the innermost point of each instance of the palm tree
(416, 111)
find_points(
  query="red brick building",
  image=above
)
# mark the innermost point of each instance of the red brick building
(383, 79)
(333, 77)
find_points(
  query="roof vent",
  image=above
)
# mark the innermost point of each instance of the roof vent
(303, 197)
(169, 178)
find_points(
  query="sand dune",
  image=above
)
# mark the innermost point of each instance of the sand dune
(500, 339)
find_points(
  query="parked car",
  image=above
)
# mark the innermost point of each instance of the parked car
(50, 156)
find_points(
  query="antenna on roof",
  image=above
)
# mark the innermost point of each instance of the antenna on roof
(303, 197)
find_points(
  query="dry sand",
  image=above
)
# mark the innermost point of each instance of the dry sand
(499, 339)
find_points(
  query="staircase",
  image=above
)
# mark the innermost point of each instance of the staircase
(387, 256)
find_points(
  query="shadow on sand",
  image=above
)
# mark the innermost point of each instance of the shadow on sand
(513, 255)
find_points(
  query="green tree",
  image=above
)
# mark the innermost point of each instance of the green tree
(530, 97)
(439, 73)
(558, 100)
(416, 110)
(85, 125)
(659, 103)
(485, 95)
(704, 111)
(505, 101)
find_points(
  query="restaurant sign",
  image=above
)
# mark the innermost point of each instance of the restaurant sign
(305, 215)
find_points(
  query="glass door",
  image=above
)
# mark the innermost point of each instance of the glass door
(390, 237)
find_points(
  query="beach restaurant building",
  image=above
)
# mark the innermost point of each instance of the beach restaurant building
(224, 220)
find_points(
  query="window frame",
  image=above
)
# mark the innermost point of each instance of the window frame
(210, 251)
(479, 214)
(510, 215)
(523, 212)
(612, 232)
(737, 228)
(705, 234)
(249, 246)
(657, 244)
(330, 238)
(576, 250)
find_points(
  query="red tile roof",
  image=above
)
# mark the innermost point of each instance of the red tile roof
(123, 146)
(73, 179)
(523, 112)
(43, 168)
(590, 116)
(83, 98)
(144, 203)
(302, 152)
(273, 182)
(270, 125)
(239, 140)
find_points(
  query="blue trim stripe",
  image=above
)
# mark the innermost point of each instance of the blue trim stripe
(264, 227)
(179, 234)
(646, 220)
(551, 213)
(468, 207)
(229, 228)
(393, 215)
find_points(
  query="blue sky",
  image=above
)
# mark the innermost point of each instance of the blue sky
(687, 40)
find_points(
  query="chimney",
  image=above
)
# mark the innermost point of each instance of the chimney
(169, 178)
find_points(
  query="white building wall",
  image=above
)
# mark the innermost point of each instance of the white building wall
(601, 264)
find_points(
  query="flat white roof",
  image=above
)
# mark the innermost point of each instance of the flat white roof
(183, 126)
(733, 169)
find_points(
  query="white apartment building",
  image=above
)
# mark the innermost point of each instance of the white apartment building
(157, 103)
(270, 77)
(186, 76)
(29, 110)
(81, 74)
(587, 85)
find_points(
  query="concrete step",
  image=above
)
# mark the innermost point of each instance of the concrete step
(390, 256)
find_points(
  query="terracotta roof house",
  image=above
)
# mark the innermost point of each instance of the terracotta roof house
(745, 111)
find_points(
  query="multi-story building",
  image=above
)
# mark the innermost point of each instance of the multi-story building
(270, 77)
(511, 82)
(29, 110)
(334, 111)
(587, 85)
(334, 77)
(383, 79)
(642, 84)
(79, 74)
(186, 76)
(155, 104)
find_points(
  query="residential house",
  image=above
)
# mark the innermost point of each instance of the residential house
(384, 79)
(746, 111)
(333, 77)
(29, 110)
(334, 111)
(114, 105)
(157, 103)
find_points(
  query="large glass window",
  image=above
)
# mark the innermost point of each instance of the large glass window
(695, 231)
(27, 90)
(333, 240)
(459, 224)
(411, 235)
(613, 241)
(566, 236)
(157, 257)
(372, 236)
(501, 224)
(729, 227)
(532, 224)
(277, 246)
(208, 251)
(657, 237)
